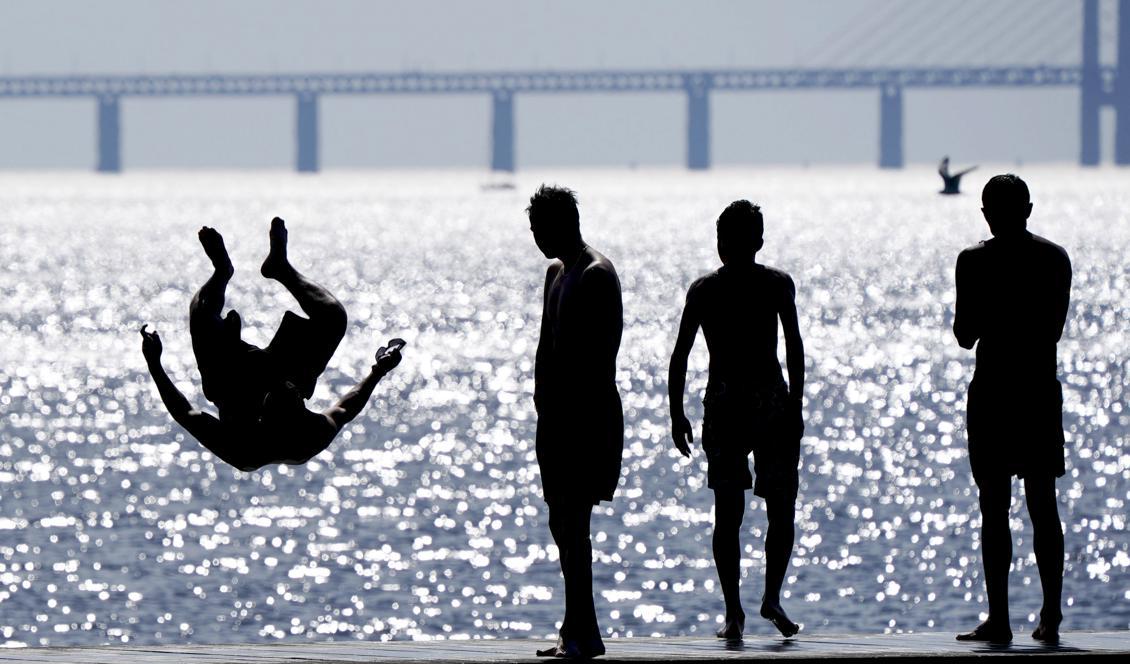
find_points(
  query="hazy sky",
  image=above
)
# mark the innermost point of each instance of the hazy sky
(206, 36)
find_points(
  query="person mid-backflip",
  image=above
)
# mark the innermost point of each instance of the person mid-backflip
(260, 392)
(1012, 298)
(748, 406)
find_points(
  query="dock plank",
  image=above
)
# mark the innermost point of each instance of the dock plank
(1096, 646)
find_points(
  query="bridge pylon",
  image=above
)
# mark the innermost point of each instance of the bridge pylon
(306, 133)
(1091, 87)
(502, 131)
(698, 122)
(109, 134)
(1122, 88)
(890, 126)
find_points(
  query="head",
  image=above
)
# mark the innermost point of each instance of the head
(1006, 204)
(741, 231)
(555, 221)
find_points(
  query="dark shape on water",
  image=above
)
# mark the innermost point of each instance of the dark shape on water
(580, 426)
(951, 182)
(260, 393)
(1012, 300)
(748, 406)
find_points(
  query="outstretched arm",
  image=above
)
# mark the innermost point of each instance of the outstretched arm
(351, 405)
(202, 426)
(677, 377)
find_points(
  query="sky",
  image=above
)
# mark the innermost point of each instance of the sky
(645, 129)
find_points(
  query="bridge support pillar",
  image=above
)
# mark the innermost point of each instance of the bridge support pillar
(109, 135)
(1122, 88)
(306, 158)
(1091, 89)
(698, 125)
(502, 131)
(890, 127)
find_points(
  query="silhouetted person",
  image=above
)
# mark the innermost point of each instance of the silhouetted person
(580, 434)
(748, 407)
(951, 182)
(1012, 296)
(260, 392)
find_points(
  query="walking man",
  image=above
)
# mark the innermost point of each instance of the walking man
(1012, 298)
(748, 407)
(580, 430)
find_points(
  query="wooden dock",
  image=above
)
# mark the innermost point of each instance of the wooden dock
(1095, 646)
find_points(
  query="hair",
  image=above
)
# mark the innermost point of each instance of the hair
(1007, 193)
(557, 204)
(741, 225)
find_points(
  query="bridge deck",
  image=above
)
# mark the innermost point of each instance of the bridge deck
(1093, 645)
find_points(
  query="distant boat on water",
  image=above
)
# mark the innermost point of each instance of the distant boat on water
(497, 186)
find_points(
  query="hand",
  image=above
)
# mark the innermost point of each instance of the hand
(682, 433)
(386, 360)
(150, 344)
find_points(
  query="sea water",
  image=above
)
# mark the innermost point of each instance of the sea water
(424, 519)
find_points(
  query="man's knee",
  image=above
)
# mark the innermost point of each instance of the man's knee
(780, 511)
(1039, 493)
(729, 507)
(994, 495)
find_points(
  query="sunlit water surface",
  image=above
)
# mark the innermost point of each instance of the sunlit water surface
(424, 519)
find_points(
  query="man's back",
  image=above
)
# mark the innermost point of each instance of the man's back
(1012, 297)
(738, 307)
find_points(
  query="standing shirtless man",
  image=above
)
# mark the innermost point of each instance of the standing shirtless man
(747, 406)
(1012, 297)
(580, 432)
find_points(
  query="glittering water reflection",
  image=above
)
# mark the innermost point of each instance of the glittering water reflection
(424, 519)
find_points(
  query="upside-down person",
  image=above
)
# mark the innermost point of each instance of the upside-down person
(260, 393)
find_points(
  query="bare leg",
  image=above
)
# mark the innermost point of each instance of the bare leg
(580, 633)
(995, 497)
(207, 328)
(1048, 541)
(729, 511)
(778, 552)
(209, 300)
(315, 300)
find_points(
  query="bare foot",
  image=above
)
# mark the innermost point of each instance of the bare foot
(988, 632)
(213, 244)
(776, 615)
(733, 628)
(276, 265)
(564, 648)
(1048, 629)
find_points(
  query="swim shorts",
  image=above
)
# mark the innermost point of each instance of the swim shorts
(764, 421)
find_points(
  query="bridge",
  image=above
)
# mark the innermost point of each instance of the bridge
(1099, 86)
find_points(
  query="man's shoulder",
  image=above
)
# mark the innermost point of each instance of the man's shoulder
(975, 250)
(704, 283)
(599, 262)
(600, 270)
(974, 254)
(775, 274)
(1050, 248)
